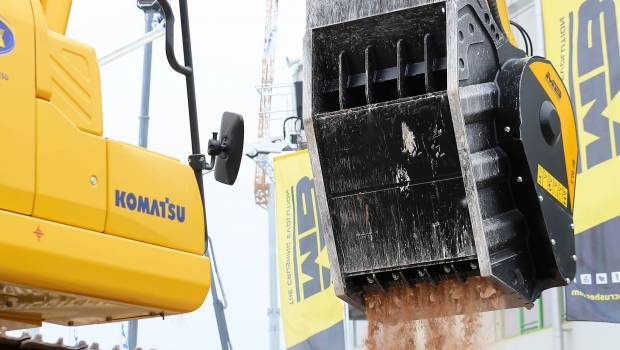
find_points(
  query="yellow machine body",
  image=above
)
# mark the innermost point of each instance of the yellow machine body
(91, 230)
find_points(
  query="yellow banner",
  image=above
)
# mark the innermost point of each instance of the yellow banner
(310, 310)
(581, 38)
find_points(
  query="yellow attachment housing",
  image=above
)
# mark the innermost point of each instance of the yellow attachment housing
(544, 73)
(504, 18)
(91, 230)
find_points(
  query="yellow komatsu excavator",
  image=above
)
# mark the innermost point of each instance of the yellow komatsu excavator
(85, 237)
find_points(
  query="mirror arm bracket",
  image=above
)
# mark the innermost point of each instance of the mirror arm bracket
(198, 162)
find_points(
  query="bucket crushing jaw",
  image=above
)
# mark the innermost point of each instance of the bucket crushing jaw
(440, 150)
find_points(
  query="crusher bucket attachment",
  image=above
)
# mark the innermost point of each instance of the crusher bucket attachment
(440, 150)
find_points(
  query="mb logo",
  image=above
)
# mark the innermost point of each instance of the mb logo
(311, 254)
(598, 80)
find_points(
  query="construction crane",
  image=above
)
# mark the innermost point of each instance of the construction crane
(261, 185)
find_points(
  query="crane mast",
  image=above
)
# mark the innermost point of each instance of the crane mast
(261, 186)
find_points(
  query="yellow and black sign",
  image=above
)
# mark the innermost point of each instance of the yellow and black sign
(311, 313)
(582, 40)
(552, 185)
(548, 78)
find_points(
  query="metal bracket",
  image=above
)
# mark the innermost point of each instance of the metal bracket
(216, 147)
(198, 162)
(148, 5)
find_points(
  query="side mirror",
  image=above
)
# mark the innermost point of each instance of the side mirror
(227, 149)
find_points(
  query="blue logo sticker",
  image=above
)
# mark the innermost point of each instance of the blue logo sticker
(150, 206)
(7, 39)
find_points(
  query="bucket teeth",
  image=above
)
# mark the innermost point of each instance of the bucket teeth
(459, 276)
(378, 282)
(434, 280)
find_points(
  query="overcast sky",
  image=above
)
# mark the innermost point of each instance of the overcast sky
(228, 45)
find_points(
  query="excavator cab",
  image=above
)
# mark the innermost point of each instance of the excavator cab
(92, 230)
(441, 152)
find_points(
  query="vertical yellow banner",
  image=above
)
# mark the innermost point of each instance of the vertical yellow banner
(581, 38)
(311, 313)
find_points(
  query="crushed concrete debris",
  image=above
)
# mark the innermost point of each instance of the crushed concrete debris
(405, 318)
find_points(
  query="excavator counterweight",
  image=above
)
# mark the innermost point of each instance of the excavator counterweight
(92, 230)
(440, 150)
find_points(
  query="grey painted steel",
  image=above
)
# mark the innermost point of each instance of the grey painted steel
(518, 7)
(132, 336)
(558, 332)
(131, 47)
(220, 316)
(143, 134)
(540, 30)
(274, 309)
(349, 340)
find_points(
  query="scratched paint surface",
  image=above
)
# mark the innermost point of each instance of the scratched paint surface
(388, 145)
(322, 12)
(397, 227)
(394, 186)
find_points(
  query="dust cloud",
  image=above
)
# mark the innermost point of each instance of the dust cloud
(392, 316)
